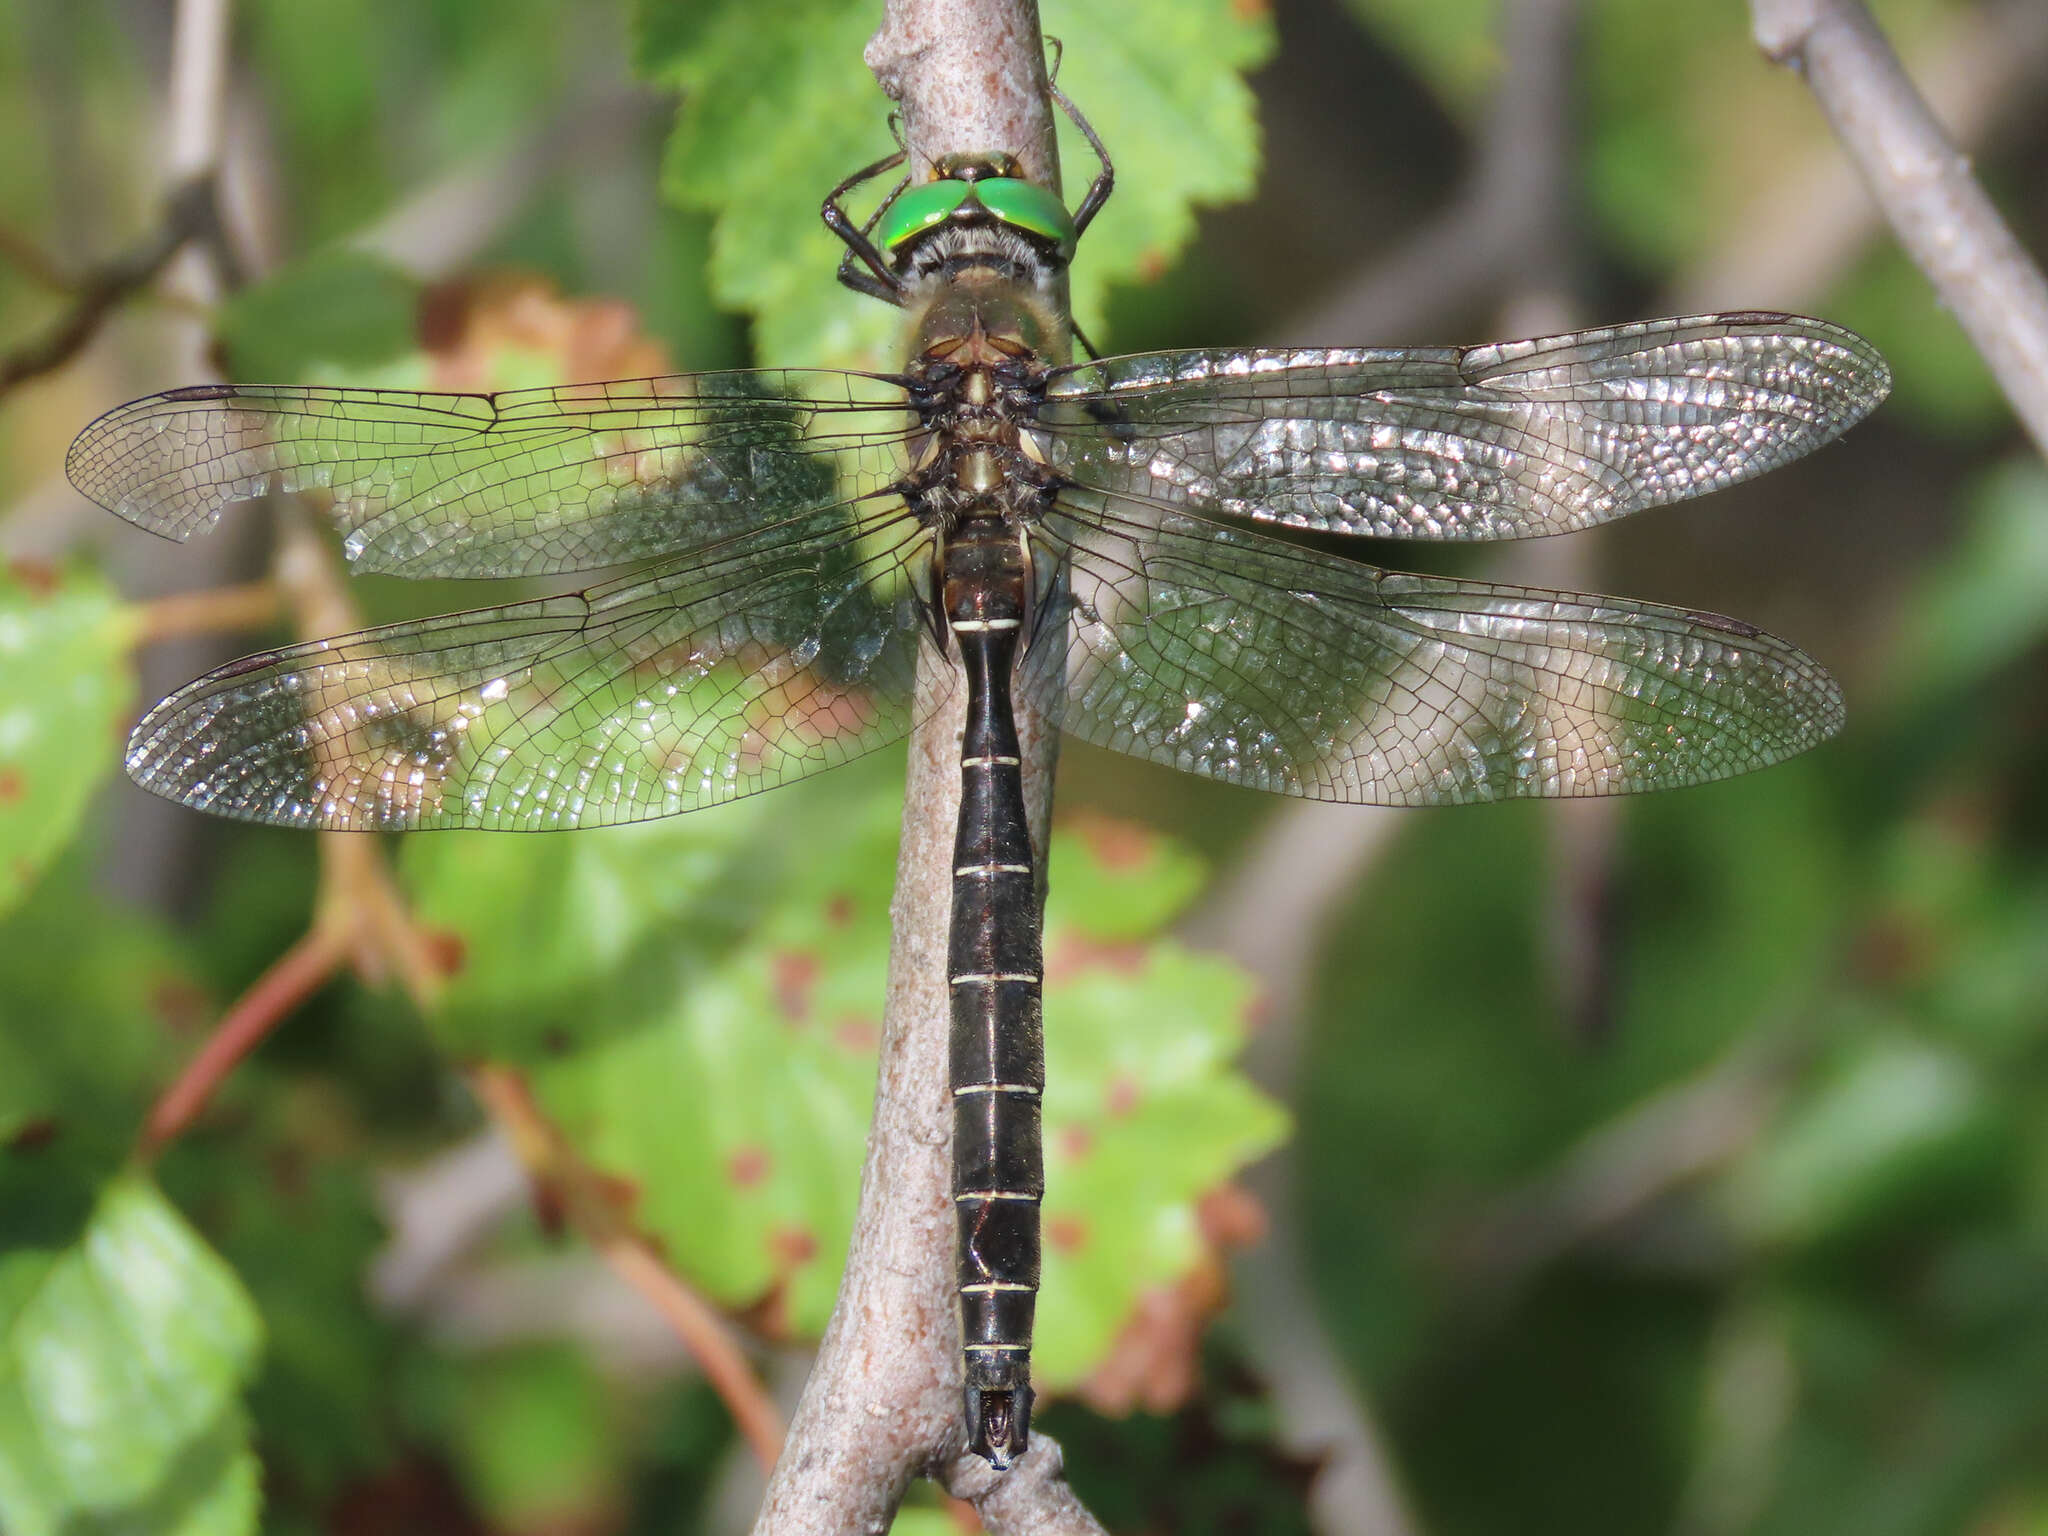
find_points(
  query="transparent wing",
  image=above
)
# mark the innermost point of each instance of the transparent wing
(1494, 442)
(1227, 653)
(522, 483)
(782, 653)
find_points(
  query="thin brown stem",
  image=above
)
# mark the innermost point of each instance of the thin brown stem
(360, 920)
(592, 1208)
(292, 978)
(99, 292)
(214, 610)
(33, 262)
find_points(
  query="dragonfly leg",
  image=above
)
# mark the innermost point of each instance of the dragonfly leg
(1105, 178)
(879, 281)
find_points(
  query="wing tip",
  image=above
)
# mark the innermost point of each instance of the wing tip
(93, 470)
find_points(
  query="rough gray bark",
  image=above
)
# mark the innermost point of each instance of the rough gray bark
(883, 1400)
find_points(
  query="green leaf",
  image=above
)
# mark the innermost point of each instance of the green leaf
(533, 1438)
(540, 921)
(95, 1003)
(1897, 1131)
(1986, 602)
(777, 110)
(1120, 880)
(1162, 81)
(125, 1355)
(336, 309)
(65, 688)
(738, 1107)
(738, 1110)
(1144, 1113)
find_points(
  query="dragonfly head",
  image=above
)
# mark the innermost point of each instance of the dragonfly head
(975, 192)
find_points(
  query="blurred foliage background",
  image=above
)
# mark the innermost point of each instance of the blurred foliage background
(1677, 1165)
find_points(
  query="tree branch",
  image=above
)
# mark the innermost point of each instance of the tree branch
(1812, 218)
(189, 215)
(210, 611)
(1939, 211)
(1504, 208)
(883, 1400)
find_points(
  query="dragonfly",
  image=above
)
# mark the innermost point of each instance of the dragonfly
(1112, 543)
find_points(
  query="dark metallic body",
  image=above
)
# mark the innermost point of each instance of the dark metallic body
(989, 319)
(976, 378)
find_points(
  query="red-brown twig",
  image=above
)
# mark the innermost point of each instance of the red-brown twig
(592, 1208)
(292, 978)
(359, 920)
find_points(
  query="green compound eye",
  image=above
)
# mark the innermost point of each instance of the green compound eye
(919, 208)
(1027, 206)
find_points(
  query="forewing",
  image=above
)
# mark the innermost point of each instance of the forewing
(1227, 653)
(521, 483)
(783, 653)
(1495, 442)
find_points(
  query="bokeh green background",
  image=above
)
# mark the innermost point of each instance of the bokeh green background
(1697, 1183)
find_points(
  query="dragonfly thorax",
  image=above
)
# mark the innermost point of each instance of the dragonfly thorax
(977, 383)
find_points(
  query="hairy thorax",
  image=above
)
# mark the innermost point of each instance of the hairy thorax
(985, 340)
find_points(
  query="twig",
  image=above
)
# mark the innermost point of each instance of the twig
(1939, 211)
(441, 226)
(292, 978)
(1811, 220)
(1622, 1167)
(247, 605)
(194, 111)
(198, 87)
(359, 919)
(189, 214)
(157, 840)
(883, 1400)
(33, 262)
(591, 1206)
(1506, 205)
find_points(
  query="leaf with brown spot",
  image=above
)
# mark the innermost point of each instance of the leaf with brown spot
(1146, 1117)
(1066, 1234)
(795, 974)
(748, 1166)
(862, 1036)
(1155, 1361)
(792, 1247)
(747, 1134)
(66, 683)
